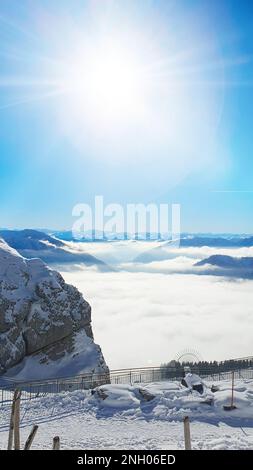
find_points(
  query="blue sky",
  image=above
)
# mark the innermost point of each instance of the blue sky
(138, 101)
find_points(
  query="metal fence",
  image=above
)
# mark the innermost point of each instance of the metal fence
(159, 374)
(34, 389)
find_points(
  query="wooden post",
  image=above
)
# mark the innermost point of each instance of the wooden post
(11, 427)
(56, 443)
(187, 434)
(17, 422)
(31, 437)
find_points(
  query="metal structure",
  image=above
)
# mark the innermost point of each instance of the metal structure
(188, 355)
(35, 388)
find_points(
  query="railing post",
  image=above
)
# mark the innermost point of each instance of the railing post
(232, 394)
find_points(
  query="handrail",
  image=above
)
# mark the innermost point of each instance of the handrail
(121, 373)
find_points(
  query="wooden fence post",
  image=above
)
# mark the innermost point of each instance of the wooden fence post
(56, 443)
(11, 427)
(17, 422)
(187, 434)
(31, 437)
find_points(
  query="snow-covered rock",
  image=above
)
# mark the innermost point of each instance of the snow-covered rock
(170, 401)
(45, 324)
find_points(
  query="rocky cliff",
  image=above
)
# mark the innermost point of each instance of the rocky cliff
(45, 324)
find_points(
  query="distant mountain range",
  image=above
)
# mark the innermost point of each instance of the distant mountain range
(53, 251)
(225, 261)
(228, 266)
(99, 236)
(35, 244)
(217, 242)
(29, 239)
(186, 240)
(224, 240)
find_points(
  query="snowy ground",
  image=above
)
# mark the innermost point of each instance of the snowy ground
(124, 420)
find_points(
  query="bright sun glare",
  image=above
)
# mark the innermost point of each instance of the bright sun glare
(122, 90)
(107, 81)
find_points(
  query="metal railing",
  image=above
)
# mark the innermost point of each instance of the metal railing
(35, 388)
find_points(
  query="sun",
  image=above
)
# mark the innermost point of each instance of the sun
(105, 81)
(120, 91)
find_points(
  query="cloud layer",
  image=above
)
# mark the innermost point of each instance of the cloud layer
(145, 317)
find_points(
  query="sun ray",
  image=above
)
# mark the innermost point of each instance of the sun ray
(33, 99)
(24, 82)
(185, 70)
(18, 28)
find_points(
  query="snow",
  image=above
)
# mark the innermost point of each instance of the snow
(19, 276)
(124, 420)
(85, 358)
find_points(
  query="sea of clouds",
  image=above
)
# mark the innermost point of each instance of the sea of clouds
(146, 313)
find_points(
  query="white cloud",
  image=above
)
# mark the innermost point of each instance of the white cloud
(126, 251)
(145, 318)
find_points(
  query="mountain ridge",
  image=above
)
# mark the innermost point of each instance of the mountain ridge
(35, 244)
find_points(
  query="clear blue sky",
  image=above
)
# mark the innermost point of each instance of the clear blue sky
(139, 101)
